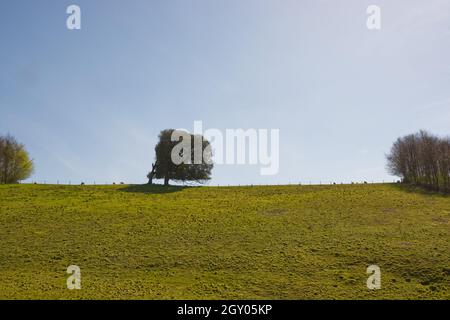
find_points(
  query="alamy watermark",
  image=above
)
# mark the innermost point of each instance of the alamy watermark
(374, 19)
(230, 147)
(74, 281)
(374, 280)
(73, 21)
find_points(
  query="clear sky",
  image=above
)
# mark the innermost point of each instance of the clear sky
(89, 104)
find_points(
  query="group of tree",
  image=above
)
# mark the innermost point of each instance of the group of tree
(15, 164)
(175, 144)
(422, 159)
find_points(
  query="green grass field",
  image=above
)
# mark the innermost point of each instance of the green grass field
(276, 242)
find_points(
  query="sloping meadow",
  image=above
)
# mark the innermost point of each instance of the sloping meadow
(260, 242)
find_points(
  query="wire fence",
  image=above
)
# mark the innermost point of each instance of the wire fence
(302, 183)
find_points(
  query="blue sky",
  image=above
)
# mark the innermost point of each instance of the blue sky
(89, 104)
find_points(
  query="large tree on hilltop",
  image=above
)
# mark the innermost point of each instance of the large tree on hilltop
(181, 156)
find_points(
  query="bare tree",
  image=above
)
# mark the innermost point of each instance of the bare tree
(422, 159)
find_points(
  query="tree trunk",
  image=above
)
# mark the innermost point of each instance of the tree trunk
(151, 174)
(166, 180)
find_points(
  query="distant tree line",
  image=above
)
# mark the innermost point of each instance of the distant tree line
(422, 159)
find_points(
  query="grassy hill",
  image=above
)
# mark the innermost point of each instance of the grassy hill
(276, 242)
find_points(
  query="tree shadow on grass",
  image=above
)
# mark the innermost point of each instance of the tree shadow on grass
(424, 190)
(152, 188)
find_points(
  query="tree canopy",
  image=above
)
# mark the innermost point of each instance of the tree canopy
(181, 156)
(15, 164)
